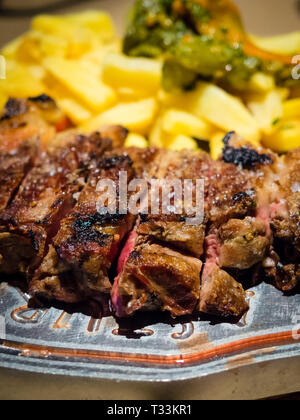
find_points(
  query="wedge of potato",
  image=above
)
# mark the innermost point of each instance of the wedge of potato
(291, 108)
(84, 84)
(140, 74)
(77, 113)
(136, 140)
(261, 82)
(10, 50)
(216, 144)
(3, 99)
(181, 142)
(223, 110)
(89, 25)
(131, 95)
(288, 44)
(96, 56)
(267, 110)
(136, 116)
(98, 22)
(178, 122)
(157, 137)
(286, 137)
(21, 82)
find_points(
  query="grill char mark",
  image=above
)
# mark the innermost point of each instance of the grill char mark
(245, 156)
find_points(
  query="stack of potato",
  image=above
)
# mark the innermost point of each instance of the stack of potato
(77, 60)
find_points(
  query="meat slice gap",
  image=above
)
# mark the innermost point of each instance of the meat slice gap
(81, 255)
(45, 196)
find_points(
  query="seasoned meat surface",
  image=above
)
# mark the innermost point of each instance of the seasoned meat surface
(23, 128)
(222, 295)
(170, 255)
(163, 265)
(87, 241)
(243, 243)
(277, 188)
(45, 196)
(22, 119)
(14, 165)
(155, 273)
(173, 220)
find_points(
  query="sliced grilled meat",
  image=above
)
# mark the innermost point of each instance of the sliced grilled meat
(171, 222)
(160, 265)
(243, 243)
(282, 265)
(221, 294)
(277, 187)
(286, 215)
(22, 119)
(156, 277)
(45, 196)
(238, 231)
(22, 128)
(81, 255)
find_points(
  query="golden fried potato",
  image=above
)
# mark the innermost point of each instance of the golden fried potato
(136, 140)
(287, 44)
(181, 142)
(141, 74)
(82, 82)
(267, 110)
(291, 108)
(286, 137)
(223, 110)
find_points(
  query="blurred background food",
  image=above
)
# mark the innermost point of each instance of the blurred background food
(78, 59)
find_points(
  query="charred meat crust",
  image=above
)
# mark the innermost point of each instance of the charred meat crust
(23, 119)
(74, 245)
(16, 107)
(13, 108)
(245, 156)
(14, 166)
(157, 273)
(42, 99)
(47, 193)
(87, 242)
(175, 231)
(222, 295)
(162, 271)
